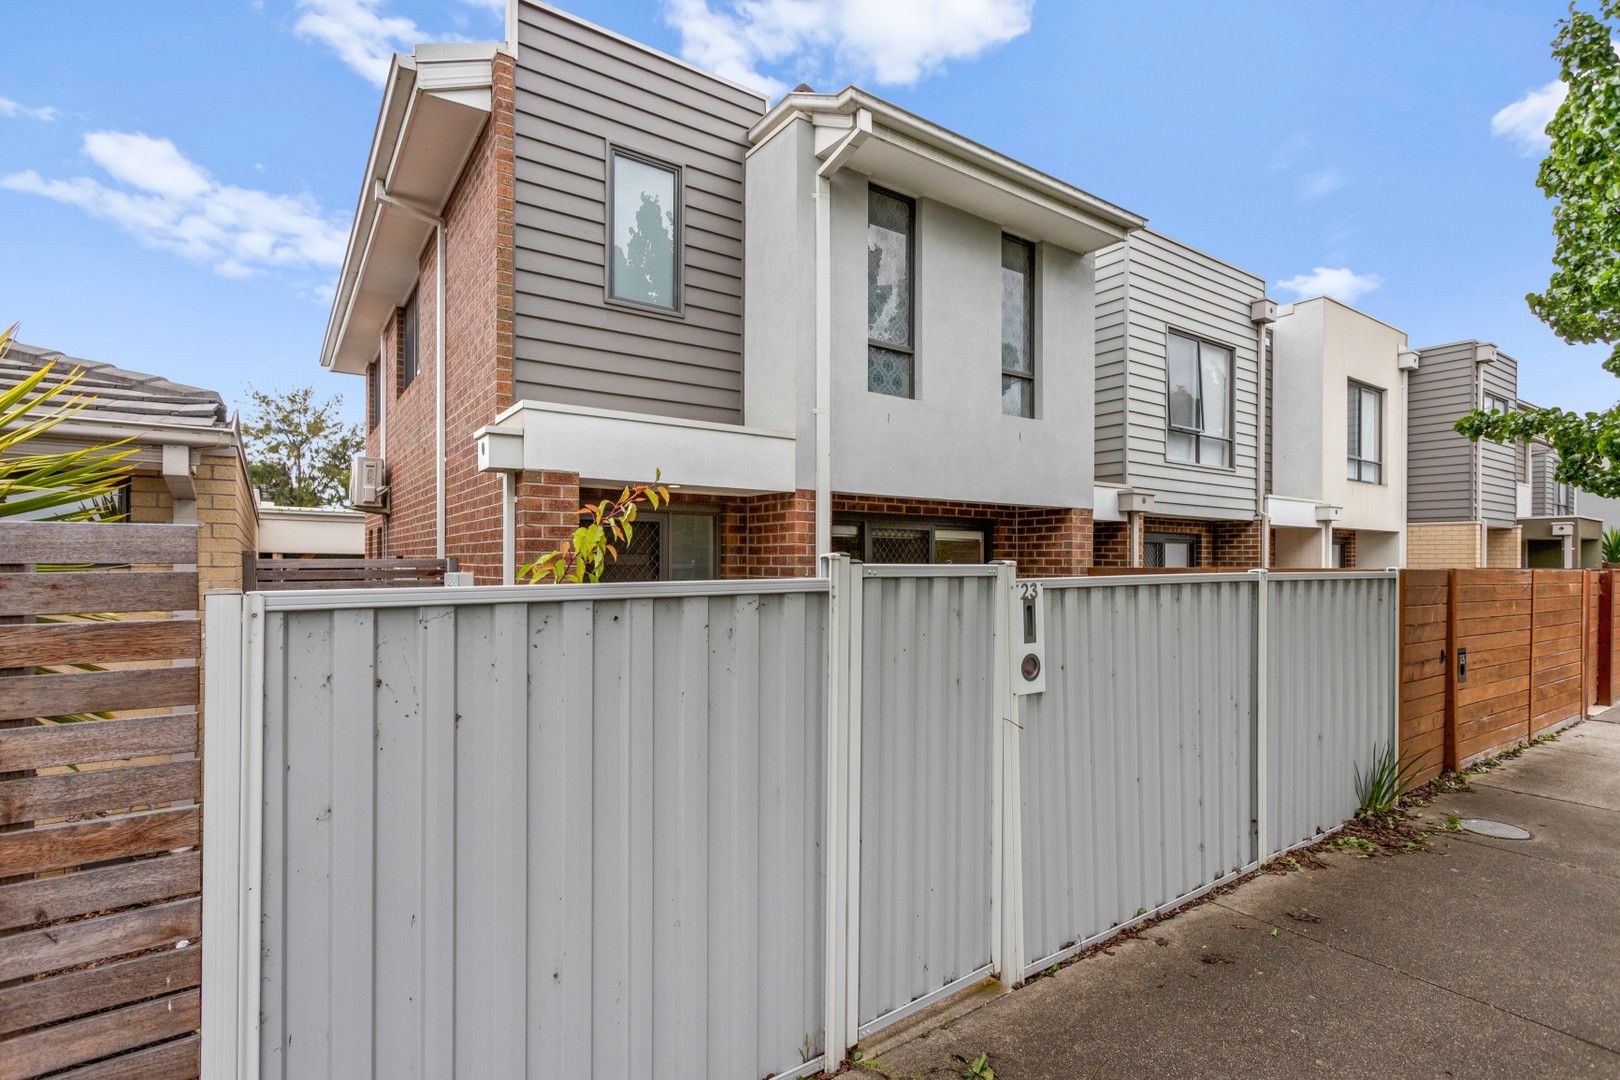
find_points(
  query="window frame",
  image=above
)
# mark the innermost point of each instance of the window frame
(910, 348)
(1193, 540)
(666, 539)
(1360, 390)
(374, 394)
(1029, 334)
(610, 206)
(1490, 401)
(1231, 405)
(863, 524)
(410, 342)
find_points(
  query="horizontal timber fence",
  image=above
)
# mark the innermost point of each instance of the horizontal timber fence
(267, 574)
(100, 822)
(1492, 658)
(730, 829)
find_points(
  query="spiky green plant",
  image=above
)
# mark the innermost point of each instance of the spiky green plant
(1611, 545)
(1380, 788)
(52, 485)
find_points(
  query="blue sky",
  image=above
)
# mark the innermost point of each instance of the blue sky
(177, 182)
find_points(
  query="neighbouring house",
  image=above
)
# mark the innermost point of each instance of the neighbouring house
(1179, 412)
(1464, 499)
(310, 532)
(189, 464)
(1338, 408)
(1562, 526)
(557, 242)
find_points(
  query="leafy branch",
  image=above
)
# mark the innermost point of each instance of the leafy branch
(612, 522)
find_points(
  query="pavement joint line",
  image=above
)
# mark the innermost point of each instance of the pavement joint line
(1402, 972)
(1480, 842)
(1483, 782)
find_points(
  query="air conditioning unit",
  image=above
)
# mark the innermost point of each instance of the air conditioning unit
(367, 490)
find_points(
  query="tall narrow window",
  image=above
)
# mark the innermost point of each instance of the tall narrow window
(1017, 327)
(408, 344)
(645, 230)
(890, 222)
(1364, 423)
(374, 394)
(1199, 378)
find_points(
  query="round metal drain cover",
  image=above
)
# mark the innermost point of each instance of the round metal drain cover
(1499, 829)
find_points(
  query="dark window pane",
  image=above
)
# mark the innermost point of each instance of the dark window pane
(888, 372)
(408, 330)
(958, 546)
(899, 545)
(846, 540)
(638, 560)
(374, 394)
(1017, 396)
(888, 265)
(691, 547)
(646, 233)
(1182, 371)
(1017, 295)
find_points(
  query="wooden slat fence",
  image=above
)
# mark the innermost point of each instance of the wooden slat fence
(100, 822)
(264, 575)
(1491, 658)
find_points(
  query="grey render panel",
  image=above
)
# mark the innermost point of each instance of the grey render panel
(544, 838)
(926, 760)
(580, 91)
(1144, 682)
(1169, 286)
(1439, 462)
(1297, 393)
(1499, 463)
(1596, 506)
(952, 440)
(1331, 696)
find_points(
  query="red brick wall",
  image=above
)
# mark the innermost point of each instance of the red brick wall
(1222, 545)
(478, 365)
(1349, 537)
(1111, 544)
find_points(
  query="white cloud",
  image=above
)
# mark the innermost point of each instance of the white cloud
(1525, 121)
(9, 107)
(1315, 185)
(890, 42)
(363, 38)
(1341, 283)
(169, 202)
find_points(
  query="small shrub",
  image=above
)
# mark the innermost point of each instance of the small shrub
(1379, 789)
(1611, 545)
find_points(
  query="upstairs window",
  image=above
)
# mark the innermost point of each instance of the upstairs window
(409, 363)
(1017, 327)
(1563, 499)
(1199, 376)
(1496, 403)
(890, 226)
(374, 394)
(645, 227)
(1364, 423)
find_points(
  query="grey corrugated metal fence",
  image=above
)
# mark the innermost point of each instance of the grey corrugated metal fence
(716, 829)
(553, 837)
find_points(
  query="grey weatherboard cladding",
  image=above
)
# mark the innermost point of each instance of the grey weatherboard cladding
(579, 92)
(1440, 467)
(1146, 287)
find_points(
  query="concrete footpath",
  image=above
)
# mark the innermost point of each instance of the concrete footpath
(1478, 958)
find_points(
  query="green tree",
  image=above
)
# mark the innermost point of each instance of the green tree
(1581, 303)
(299, 448)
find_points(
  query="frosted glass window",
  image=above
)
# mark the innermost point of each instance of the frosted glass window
(645, 229)
(890, 224)
(1017, 327)
(1364, 424)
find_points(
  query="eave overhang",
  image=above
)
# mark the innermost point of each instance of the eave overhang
(435, 104)
(922, 159)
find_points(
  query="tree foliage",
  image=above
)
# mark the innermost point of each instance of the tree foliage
(584, 556)
(299, 447)
(1581, 303)
(53, 485)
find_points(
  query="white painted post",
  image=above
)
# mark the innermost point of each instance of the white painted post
(1007, 849)
(1262, 693)
(222, 820)
(836, 1031)
(854, 608)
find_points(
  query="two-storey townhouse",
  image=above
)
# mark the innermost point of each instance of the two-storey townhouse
(1463, 499)
(599, 262)
(1180, 425)
(1562, 526)
(1337, 449)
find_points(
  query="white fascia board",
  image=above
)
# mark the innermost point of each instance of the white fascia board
(1290, 513)
(619, 447)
